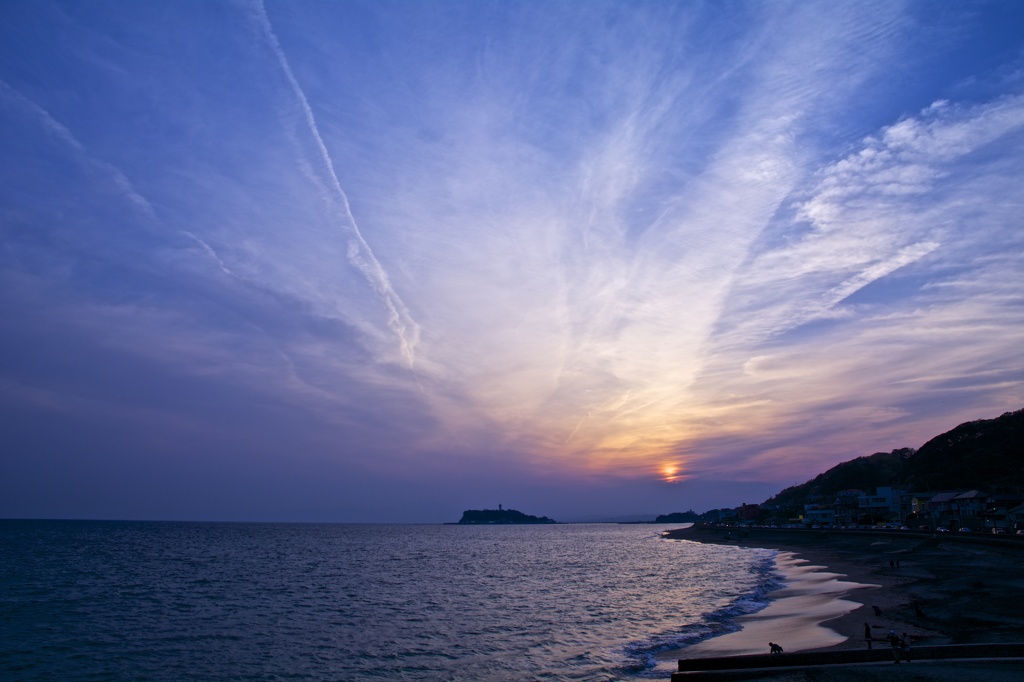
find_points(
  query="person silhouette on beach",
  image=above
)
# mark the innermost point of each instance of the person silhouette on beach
(905, 647)
(894, 642)
(867, 634)
(775, 648)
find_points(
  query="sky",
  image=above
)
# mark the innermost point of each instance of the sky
(386, 261)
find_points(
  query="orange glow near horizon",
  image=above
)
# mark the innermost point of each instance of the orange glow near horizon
(670, 473)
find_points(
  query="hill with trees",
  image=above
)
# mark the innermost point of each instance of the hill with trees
(679, 517)
(987, 454)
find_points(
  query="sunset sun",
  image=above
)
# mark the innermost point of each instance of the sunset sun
(670, 473)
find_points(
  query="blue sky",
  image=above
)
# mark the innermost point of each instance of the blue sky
(389, 260)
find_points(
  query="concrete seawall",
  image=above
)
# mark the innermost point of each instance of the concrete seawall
(739, 535)
(882, 654)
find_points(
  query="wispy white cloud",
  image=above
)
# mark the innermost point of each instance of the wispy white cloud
(608, 240)
(176, 333)
(574, 298)
(920, 208)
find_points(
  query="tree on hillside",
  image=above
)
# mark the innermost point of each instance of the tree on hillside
(863, 473)
(987, 454)
(984, 454)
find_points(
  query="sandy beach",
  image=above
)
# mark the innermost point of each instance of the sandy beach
(937, 589)
(812, 596)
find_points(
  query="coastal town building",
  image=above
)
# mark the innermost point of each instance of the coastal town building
(954, 510)
(847, 506)
(750, 512)
(940, 509)
(884, 504)
(1015, 518)
(826, 518)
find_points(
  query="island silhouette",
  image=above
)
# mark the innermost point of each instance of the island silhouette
(499, 516)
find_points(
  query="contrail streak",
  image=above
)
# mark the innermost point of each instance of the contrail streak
(579, 425)
(359, 253)
(211, 253)
(120, 180)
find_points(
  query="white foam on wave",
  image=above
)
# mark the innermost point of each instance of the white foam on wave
(794, 615)
(715, 624)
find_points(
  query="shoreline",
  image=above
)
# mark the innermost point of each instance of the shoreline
(936, 589)
(810, 595)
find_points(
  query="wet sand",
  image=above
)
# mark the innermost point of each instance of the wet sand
(793, 618)
(937, 589)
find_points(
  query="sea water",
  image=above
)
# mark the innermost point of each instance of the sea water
(82, 600)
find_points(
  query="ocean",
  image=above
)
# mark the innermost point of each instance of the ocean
(105, 600)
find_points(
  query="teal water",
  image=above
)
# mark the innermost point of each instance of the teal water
(171, 601)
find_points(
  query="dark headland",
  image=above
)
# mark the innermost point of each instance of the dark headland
(938, 560)
(500, 517)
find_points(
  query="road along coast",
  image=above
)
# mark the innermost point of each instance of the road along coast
(939, 589)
